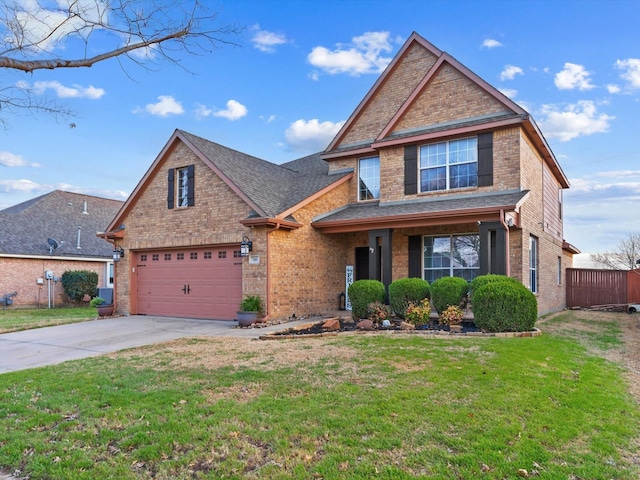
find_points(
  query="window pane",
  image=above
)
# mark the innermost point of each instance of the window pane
(369, 178)
(436, 252)
(183, 187)
(465, 150)
(433, 179)
(433, 155)
(466, 250)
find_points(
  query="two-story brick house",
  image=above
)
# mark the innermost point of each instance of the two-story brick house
(435, 173)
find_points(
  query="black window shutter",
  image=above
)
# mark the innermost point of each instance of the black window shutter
(190, 185)
(415, 256)
(410, 169)
(485, 159)
(170, 189)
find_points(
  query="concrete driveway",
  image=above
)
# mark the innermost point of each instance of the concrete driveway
(51, 345)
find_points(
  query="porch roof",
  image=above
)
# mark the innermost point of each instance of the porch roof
(464, 208)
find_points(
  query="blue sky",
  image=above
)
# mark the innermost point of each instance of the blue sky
(300, 68)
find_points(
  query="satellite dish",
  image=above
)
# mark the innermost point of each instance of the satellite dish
(53, 244)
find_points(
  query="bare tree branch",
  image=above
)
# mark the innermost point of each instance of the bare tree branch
(145, 32)
(624, 258)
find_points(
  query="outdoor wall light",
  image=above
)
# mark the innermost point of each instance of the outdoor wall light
(246, 246)
(118, 253)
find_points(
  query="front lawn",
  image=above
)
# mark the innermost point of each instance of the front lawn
(388, 406)
(13, 319)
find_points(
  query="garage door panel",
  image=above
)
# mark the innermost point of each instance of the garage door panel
(194, 283)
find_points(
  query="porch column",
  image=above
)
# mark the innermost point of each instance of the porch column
(493, 248)
(380, 268)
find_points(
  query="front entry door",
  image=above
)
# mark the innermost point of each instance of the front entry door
(362, 263)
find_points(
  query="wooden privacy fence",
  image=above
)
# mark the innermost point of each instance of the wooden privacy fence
(589, 288)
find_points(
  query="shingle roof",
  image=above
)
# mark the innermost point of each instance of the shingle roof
(365, 211)
(27, 226)
(273, 188)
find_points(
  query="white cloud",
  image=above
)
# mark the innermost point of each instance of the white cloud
(613, 88)
(42, 29)
(269, 119)
(166, 106)
(8, 159)
(573, 76)
(267, 41)
(23, 185)
(577, 119)
(202, 111)
(312, 135)
(363, 55)
(491, 43)
(509, 92)
(76, 91)
(631, 71)
(510, 72)
(235, 110)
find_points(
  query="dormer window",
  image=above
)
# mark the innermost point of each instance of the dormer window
(369, 178)
(449, 165)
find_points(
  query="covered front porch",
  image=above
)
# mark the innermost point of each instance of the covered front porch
(428, 238)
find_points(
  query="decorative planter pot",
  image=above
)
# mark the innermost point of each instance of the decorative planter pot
(455, 328)
(105, 310)
(246, 319)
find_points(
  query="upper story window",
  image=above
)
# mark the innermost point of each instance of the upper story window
(449, 165)
(369, 178)
(180, 191)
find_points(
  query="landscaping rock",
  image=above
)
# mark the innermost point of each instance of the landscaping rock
(366, 325)
(331, 325)
(407, 326)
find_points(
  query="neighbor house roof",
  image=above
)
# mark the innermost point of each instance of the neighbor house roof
(271, 191)
(72, 219)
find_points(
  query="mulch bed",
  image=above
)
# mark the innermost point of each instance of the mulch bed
(348, 325)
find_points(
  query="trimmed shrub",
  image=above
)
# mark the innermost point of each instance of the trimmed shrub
(489, 278)
(362, 293)
(504, 307)
(404, 291)
(78, 283)
(447, 291)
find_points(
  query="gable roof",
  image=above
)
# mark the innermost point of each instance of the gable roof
(513, 114)
(271, 191)
(60, 215)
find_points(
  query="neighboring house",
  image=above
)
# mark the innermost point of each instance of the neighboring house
(436, 173)
(71, 221)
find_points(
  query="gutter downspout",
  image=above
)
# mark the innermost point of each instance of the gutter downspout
(507, 253)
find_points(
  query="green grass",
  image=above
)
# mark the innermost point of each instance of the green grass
(347, 407)
(14, 319)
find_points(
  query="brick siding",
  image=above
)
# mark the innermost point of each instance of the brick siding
(20, 275)
(214, 220)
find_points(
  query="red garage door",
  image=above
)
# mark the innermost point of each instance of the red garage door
(190, 283)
